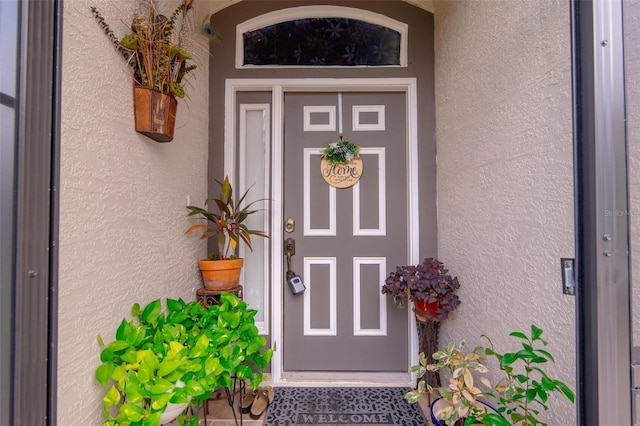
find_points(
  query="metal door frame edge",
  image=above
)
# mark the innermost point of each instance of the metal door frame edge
(602, 237)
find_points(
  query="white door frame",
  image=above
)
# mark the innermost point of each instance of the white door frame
(278, 87)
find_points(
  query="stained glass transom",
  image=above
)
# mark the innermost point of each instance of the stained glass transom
(322, 42)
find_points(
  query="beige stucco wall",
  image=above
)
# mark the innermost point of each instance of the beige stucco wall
(505, 176)
(123, 199)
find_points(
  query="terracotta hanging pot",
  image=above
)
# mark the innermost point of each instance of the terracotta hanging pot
(422, 307)
(221, 274)
(155, 113)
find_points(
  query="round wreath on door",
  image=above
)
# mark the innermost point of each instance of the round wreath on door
(341, 165)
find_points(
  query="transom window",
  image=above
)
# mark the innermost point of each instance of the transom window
(319, 36)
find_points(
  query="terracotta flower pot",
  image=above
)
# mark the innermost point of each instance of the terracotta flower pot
(221, 274)
(423, 308)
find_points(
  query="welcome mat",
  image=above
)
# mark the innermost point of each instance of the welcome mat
(293, 406)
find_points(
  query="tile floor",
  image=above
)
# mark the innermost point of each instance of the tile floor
(220, 414)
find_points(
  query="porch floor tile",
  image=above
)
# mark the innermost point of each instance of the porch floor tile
(220, 414)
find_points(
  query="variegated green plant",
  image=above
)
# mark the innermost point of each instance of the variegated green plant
(462, 393)
(227, 224)
(519, 397)
(180, 356)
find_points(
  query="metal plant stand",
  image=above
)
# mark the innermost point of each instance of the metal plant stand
(428, 331)
(210, 298)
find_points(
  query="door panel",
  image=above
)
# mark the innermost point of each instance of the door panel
(347, 240)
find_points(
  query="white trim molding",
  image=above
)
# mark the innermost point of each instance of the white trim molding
(308, 230)
(277, 268)
(324, 11)
(330, 110)
(381, 230)
(332, 302)
(368, 127)
(382, 299)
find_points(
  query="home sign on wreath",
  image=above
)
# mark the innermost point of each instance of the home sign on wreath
(341, 165)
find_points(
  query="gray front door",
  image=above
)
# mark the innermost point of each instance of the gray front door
(347, 240)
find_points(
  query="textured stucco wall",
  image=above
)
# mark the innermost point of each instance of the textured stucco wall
(632, 81)
(505, 177)
(123, 200)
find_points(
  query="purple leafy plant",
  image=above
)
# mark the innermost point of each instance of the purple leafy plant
(427, 281)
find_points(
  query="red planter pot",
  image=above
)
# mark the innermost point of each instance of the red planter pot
(423, 308)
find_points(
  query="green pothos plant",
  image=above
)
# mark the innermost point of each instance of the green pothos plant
(180, 357)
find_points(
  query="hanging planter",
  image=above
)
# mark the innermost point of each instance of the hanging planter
(155, 51)
(155, 113)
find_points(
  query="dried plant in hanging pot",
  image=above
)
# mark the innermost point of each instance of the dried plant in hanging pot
(155, 51)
